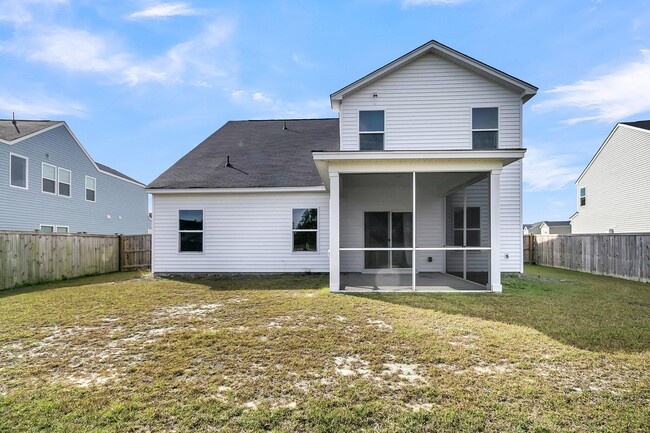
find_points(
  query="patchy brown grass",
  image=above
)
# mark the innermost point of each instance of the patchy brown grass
(282, 354)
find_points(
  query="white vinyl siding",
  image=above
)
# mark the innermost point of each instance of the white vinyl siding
(616, 182)
(428, 105)
(511, 219)
(247, 232)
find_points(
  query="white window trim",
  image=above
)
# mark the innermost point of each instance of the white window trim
(56, 179)
(86, 188)
(471, 123)
(360, 132)
(26, 187)
(580, 196)
(179, 231)
(59, 181)
(40, 227)
(56, 229)
(317, 230)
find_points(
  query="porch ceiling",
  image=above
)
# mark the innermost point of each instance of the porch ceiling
(432, 161)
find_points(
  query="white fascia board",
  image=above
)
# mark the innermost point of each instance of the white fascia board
(437, 48)
(237, 190)
(504, 154)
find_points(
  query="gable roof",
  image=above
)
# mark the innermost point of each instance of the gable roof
(107, 169)
(434, 47)
(643, 125)
(262, 154)
(556, 223)
(23, 128)
(29, 128)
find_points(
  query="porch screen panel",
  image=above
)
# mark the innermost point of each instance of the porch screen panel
(376, 236)
(402, 237)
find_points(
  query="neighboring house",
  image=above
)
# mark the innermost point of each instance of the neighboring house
(548, 228)
(435, 134)
(613, 194)
(50, 183)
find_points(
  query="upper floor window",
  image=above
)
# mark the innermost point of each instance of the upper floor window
(48, 177)
(305, 229)
(485, 128)
(91, 188)
(190, 231)
(583, 196)
(65, 177)
(18, 171)
(371, 130)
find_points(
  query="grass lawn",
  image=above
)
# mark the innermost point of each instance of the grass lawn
(557, 351)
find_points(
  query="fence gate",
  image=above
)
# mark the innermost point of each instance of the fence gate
(135, 252)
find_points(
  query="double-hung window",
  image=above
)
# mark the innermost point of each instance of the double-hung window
(65, 180)
(467, 232)
(18, 171)
(190, 231)
(485, 128)
(91, 188)
(48, 178)
(305, 229)
(583, 196)
(371, 130)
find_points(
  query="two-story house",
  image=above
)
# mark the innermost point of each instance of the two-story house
(621, 165)
(49, 182)
(415, 186)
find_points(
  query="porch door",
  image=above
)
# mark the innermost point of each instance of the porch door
(388, 230)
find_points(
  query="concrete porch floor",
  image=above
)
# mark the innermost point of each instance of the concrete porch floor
(396, 282)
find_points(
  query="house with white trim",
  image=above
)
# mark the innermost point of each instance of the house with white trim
(612, 194)
(417, 185)
(49, 182)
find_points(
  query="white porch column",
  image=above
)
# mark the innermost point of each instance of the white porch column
(495, 229)
(335, 215)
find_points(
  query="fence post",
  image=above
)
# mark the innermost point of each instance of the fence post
(120, 255)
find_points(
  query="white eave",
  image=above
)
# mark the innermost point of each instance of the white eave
(276, 189)
(413, 161)
(526, 90)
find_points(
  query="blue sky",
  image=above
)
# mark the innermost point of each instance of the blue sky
(143, 82)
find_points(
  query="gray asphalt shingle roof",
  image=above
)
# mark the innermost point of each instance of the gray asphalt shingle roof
(8, 131)
(112, 171)
(263, 153)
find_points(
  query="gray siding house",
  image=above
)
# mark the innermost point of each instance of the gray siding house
(49, 182)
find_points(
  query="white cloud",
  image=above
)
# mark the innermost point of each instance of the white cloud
(546, 171)
(407, 3)
(39, 106)
(616, 96)
(18, 12)
(192, 61)
(263, 105)
(164, 10)
(298, 60)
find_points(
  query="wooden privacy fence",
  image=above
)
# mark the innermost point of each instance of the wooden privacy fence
(617, 255)
(33, 257)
